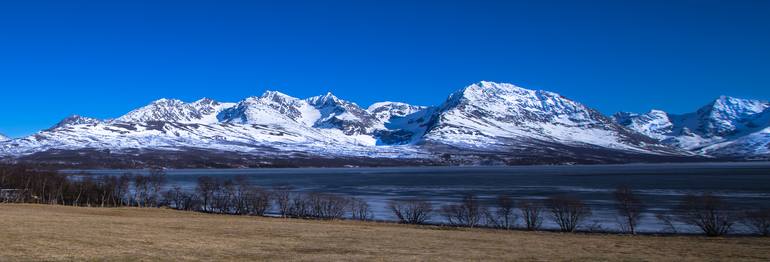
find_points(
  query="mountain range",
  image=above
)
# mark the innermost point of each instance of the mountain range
(485, 123)
(727, 127)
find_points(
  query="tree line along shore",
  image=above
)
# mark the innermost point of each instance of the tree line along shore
(710, 214)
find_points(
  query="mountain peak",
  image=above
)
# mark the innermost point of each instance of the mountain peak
(326, 99)
(485, 90)
(276, 97)
(657, 112)
(388, 104)
(515, 99)
(76, 120)
(727, 108)
(733, 102)
(171, 110)
(270, 94)
(491, 86)
(206, 101)
(386, 110)
(167, 101)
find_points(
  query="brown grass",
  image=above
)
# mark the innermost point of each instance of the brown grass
(38, 232)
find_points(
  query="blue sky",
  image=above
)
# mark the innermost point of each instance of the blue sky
(104, 58)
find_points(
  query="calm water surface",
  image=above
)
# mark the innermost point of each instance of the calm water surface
(659, 185)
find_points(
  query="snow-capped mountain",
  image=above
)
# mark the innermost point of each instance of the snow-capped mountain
(510, 118)
(728, 126)
(173, 110)
(271, 108)
(3, 138)
(384, 111)
(404, 123)
(343, 115)
(75, 120)
(483, 123)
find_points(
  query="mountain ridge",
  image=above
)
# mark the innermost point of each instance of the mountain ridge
(726, 126)
(483, 123)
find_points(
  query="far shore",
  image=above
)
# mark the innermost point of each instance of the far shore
(456, 168)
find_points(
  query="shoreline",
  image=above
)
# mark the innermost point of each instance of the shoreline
(762, 163)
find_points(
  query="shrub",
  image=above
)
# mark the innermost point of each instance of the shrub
(468, 212)
(758, 221)
(411, 211)
(532, 214)
(629, 208)
(327, 206)
(359, 210)
(503, 216)
(708, 213)
(568, 212)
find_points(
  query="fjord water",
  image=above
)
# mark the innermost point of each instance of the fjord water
(661, 186)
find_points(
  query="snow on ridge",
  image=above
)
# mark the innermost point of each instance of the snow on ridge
(491, 113)
(386, 111)
(76, 120)
(483, 115)
(719, 128)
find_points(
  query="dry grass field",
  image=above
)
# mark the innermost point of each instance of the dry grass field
(38, 232)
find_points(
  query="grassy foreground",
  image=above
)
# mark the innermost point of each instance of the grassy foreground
(39, 232)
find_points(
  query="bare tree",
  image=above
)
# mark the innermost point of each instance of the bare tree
(106, 187)
(224, 197)
(206, 188)
(532, 213)
(629, 208)
(359, 209)
(155, 182)
(258, 201)
(503, 215)
(141, 190)
(412, 211)
(122, 192)
(758, 220)
(179, 199)
(299, 205)
(568, 212)
(707, 212)
(242, 195)
(468, 212)
(282, 196)
(327, 206)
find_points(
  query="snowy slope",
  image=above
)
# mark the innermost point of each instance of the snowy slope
(492, 114)
(76, 120)
(727, 126)
(343, 115)
(384, 111)
(3, 138)
(271, 108)
(755, 145)
(404, 123)
(655, 123)
(173, 110)
(271, 120)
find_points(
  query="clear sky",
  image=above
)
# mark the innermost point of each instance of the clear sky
(104, 58)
